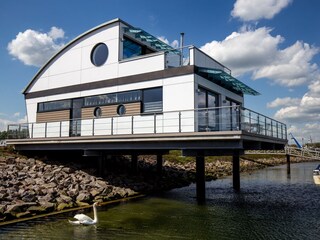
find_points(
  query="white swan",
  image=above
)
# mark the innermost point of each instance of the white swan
(83, 219)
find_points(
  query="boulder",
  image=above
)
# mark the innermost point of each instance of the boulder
(82, 204)
(10, 160)
(23, 214)
(62, 206)
(48, 206)
(94, 192)
(64, 199)
(84, 197)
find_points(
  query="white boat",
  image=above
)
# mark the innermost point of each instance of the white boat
(316, 175)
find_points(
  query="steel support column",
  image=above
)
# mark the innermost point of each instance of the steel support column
(288, 164)
(236, 171)
(200, 179)
(134, 163)
(159, 164)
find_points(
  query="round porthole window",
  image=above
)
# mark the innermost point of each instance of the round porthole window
(99, 54)
(97, 112)
(121, 110)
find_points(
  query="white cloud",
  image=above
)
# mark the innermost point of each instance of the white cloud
(257, 52)
(35, 48)
(253, 10)
(56, 33)
(174, 43)
(283, 102)
(13, 119)
(245, 51)
(291, 66)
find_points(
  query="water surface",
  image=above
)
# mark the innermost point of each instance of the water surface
(271, 205)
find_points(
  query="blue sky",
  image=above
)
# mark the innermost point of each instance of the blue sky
(271, 45)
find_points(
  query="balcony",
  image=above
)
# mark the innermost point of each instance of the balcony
(210, 121)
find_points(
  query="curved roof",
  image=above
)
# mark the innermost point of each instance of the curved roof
(67, 46)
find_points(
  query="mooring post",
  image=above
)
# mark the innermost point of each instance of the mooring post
(200, 179)
(236, 171)
(134, 163)
(288, 164)
(159, 164)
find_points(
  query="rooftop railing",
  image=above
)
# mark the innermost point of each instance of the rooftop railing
(197, 120)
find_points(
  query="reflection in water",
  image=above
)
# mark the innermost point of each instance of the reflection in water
(269, 206)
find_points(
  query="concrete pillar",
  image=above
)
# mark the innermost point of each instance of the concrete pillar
(200, 179)
(134, 163)
(159, 164)
(236, 171)
(288, 164)
(101, 165)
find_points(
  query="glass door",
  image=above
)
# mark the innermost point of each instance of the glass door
(75, 117)
(208, 115)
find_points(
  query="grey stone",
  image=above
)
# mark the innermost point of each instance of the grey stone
(84, 197)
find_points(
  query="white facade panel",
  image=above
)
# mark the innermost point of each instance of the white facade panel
(41, 84)
(31, 111)
(200, 59)
(145, 64)
(178, 93)
(107, 33)
(64, 96)
(69, 61)
(99, 91)
(141, 85)
(99, 73)
(64, 79)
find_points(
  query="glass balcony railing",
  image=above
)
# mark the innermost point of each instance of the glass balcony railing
(197, 120)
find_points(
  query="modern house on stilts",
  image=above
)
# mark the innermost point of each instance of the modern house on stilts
(118, 89)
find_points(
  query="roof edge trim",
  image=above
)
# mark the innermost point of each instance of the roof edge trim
(68, 45)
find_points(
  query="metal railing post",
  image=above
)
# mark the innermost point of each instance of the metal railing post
(179, 121)
(45, 129)
(132, 132)
(265, 127)
(154, 123)
(112, 126)
(239, 118)
(31, 135)
(207, 119)
(250, 128)
(60, 133)
(93, 122)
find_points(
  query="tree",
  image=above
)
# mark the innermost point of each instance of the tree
(3, 135)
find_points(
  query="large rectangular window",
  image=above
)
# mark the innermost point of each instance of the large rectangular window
(54, 105)
(134, 49)
(152, 100)
(113, 98)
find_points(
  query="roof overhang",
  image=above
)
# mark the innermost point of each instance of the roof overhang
(144, 36)
(225, 80)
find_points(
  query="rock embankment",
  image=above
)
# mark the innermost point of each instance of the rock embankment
(30, 187)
